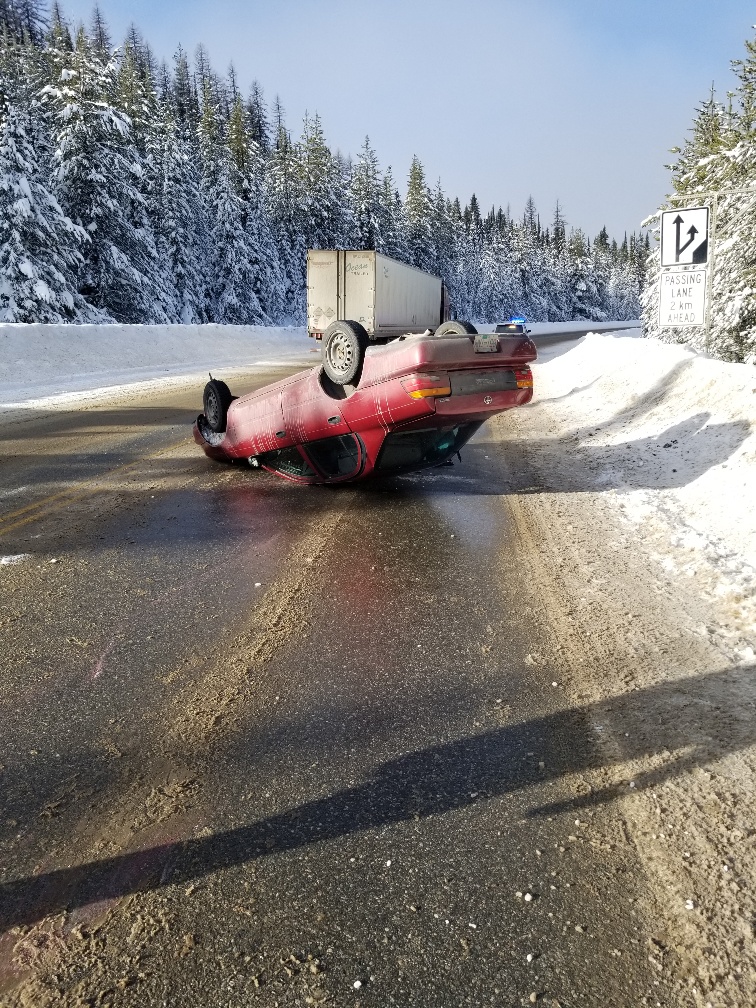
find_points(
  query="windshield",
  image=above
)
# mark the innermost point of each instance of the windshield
(408, 450)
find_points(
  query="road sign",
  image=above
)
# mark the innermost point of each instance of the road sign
(685, 237)
(682, 298)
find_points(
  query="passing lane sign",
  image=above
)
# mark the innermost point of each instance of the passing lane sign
(682, 298)
(685, 237)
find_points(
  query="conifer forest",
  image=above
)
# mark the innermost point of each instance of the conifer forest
(135, 191)
(716, 167)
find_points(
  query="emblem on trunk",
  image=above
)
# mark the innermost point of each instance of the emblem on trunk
(487, 400)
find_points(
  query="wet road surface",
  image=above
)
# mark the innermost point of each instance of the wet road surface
(274, 745)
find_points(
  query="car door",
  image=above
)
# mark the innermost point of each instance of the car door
(256, 423)
(309, 413)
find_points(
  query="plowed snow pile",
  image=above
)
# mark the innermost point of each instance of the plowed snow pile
(633, 480)
(671, 436)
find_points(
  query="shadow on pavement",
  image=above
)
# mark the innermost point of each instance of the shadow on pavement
(256, 504)
(27, 425)
(674, 458)
(686, 723)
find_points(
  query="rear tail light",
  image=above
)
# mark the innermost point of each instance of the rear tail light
(426, 386)
(524, 377)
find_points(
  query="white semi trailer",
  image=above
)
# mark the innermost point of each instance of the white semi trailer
(358, 297)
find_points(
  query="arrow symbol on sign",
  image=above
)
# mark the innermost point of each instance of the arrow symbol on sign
(692, 231)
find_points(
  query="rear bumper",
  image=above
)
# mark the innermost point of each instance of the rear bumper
(482, 404)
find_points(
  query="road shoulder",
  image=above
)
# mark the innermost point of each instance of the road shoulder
(672, 705)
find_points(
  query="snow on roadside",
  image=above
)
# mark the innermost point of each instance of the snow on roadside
(106, 394)
(632, 479)
(45, 360)
(670, 437)
(39, 362)
(559, 328)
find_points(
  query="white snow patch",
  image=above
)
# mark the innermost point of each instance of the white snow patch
(669, 436)
(581, 326)
(38, 361)
(15, 558)
(41, 364)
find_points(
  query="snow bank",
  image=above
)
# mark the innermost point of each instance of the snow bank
(558, 328)
(43, 360)
(670, 436)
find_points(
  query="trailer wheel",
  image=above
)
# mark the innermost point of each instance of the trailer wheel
(454, 328)
(216, 399)
(344, 345)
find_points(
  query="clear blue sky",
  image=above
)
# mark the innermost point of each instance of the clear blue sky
(576, 100)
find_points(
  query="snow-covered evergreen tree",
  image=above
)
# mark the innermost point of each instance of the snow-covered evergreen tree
(368, 205)
(282, 186)
(185, 100)
(59, 33)
(324, 212)
(97, 177)
(100, 34)
(178, 211)
(23, 21)
(164, 195)
(444, 235)
(267, 278)
(583, 279)
(40, 248)
(257, 119)
(420, 214)
(232, 297)
(718, 163)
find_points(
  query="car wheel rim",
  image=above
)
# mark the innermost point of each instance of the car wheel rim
(340, 353)
(212, 409)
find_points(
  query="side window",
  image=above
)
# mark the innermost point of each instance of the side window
(335, 456)
(287, 461)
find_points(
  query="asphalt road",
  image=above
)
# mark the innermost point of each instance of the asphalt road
(272, 745)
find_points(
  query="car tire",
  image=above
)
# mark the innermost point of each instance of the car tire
(456, 328)
(344, 345)
(216, 399)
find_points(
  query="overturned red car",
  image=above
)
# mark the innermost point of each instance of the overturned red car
(414, 403)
